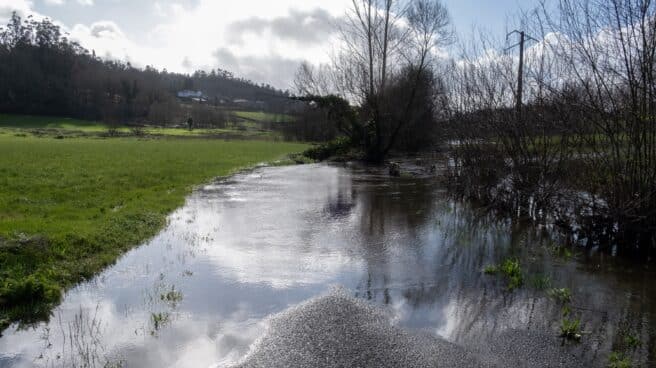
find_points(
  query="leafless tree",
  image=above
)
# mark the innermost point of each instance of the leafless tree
(383, 42)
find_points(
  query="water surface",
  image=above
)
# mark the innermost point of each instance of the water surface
(242, 249)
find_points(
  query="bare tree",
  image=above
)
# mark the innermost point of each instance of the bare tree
(383, 42)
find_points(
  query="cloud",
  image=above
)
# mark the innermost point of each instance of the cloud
(273, 69)
(7, 7)
(303, 27)
(106, 29)
(261, 40)
(54, 2)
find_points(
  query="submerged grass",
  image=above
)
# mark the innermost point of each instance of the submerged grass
(69, 208)
(511, 270)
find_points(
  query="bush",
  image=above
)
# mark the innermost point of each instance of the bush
(333, 148)
(33, 289)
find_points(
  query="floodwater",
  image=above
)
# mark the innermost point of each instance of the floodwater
(200, 293)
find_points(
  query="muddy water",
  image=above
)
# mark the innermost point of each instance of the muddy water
(240, 250)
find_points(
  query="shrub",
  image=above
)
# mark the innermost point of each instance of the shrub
(324, 151)
(32, 289)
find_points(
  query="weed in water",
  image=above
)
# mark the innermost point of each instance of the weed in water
(570, 329)
(541, 282)
(562, 252)
(491, 269)
(566, 311)
(513, 272)
(618, 360)
(172, 297)
(159, 320)
(632, 341)
(562, 295)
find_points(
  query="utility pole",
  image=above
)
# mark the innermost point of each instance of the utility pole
(520, 74)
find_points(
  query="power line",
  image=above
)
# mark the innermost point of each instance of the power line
(523, 37)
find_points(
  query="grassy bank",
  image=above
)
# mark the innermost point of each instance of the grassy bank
(70, 207)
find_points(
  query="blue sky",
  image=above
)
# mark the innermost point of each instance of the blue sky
(264, 40)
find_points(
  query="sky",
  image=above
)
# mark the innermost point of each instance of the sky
(262, 40)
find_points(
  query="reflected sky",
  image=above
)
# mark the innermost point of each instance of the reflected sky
(240, 250)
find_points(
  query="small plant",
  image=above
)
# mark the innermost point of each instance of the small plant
(561, 251)
(491, 270)
(513, 272)
(562, 295)
(159, 320)
(632, 341)
(566, 311)
(618, 360)
(541, 282)
(570, 329)
(172, 296)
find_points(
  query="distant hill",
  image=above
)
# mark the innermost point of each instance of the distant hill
(43, 72)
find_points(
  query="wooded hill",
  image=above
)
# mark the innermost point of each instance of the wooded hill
(43, 72)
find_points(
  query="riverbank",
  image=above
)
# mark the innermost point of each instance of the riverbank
(71, 207)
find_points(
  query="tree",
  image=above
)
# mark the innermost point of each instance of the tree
(382, 42)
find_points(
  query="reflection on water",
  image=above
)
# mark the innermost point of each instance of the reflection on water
(197, 294)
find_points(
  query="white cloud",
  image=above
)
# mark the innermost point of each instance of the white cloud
(85, 2)
(21, 7)
(54, 2)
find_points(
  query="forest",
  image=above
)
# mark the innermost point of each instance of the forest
(43, 72)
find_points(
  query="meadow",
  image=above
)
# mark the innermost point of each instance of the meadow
(246, 125)
(70, 207)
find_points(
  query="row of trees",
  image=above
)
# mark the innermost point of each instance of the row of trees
(43, 72)
(584, 143)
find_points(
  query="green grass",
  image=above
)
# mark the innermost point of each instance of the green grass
(67, 127)
(70, 207)
(561, 295)
(49, 122)
(570, 329)
(618, 360)
(263, 116)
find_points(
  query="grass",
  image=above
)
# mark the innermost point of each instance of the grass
(618, 360)
(70, 207)
(540, 282)
(263, 116)
(491, 270)
(48, 122)
(561, 295)
(48, 126)
(632, 341)
(511, 270)
(570, 329)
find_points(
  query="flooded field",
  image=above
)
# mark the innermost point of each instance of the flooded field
(200, 293)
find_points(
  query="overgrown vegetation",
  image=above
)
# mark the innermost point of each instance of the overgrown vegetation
(70, 207)
(583, 143)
